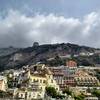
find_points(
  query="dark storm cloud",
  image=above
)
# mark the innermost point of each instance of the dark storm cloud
(19, 30)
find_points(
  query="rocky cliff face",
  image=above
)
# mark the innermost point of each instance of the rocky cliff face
(43, 53)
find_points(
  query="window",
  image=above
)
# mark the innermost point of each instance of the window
(40, 81)
(41, 88)
(29, 95)
(44, 81)
(37, 80)
(33, 80)
(21, 95)
(51, 81)
(49, 76)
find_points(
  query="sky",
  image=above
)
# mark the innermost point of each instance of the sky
(23, 22)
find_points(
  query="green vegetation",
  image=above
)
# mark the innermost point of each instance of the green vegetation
(51, 91)
(97, 74)
(67, 91)
(79, 97)
(9, 81)
(42, 53)
(5, 94)
(96, 93)
(57, 61)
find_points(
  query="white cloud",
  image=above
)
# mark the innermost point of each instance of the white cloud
(19, 30)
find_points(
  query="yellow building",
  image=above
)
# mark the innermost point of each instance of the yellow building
(38, 84)
(3, 83)
(34, 81)
(40, 77)
(51, 82)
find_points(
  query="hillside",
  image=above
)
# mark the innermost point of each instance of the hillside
(7, 51)
(48, 53)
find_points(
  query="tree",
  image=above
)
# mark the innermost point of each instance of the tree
(79, 97)
(67, 91)
(4, 94)
(50, 91)
(96, 93)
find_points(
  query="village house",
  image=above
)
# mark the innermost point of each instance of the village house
(84, 79)
(69, 73)
(58, 76)
(3, 83)
(34, 81)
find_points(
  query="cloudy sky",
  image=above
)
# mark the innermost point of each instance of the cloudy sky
(49, 21)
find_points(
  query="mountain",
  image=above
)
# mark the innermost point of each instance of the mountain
(51, 54)
(7, 51)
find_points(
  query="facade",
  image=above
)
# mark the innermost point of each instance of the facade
(34, 82)
(58, 76)
(71, 64)
(52, 82)
(3, 83)
(13, 91)
(37, 84)
(79, 90)
(29, 94)
(69, 80)
(91, 98)
(84, 79)
(21, 94)
(64, 75)
(69, 73)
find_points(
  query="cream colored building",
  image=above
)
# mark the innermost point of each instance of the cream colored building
(79, 90)
(39, 77)
(84, 79)
(29, 94)
(3, 83)
(51, 82)
(21, 94)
